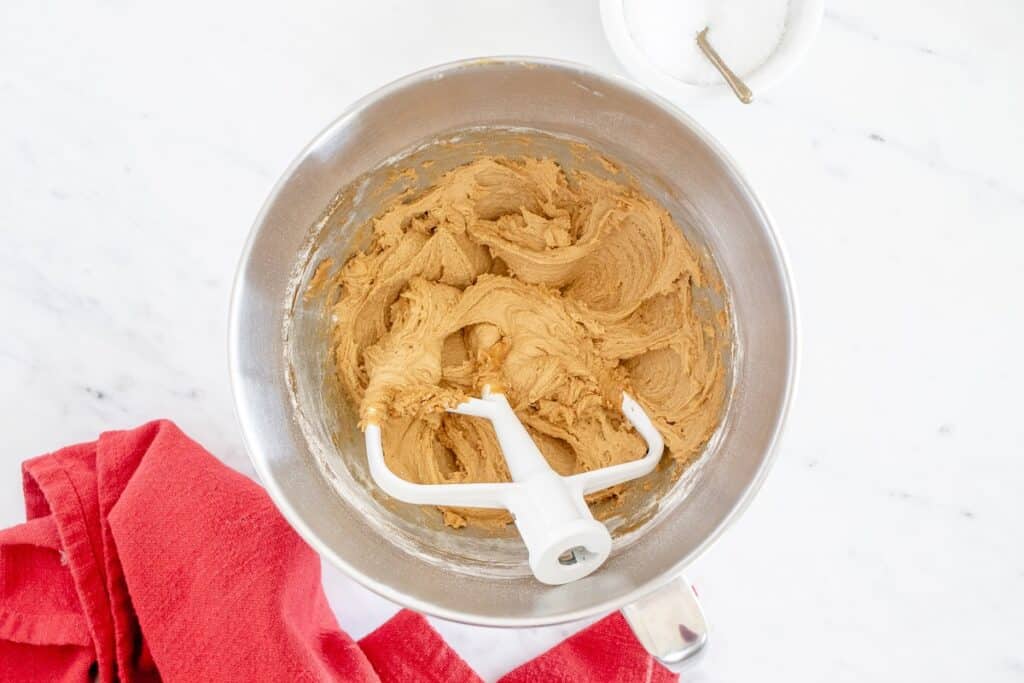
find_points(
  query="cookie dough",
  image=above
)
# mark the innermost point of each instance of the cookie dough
(563, 288)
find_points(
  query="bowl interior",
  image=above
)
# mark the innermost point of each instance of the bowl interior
(330, 422)
(311, 460)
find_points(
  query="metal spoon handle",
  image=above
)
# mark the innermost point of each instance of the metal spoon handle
(738, 86)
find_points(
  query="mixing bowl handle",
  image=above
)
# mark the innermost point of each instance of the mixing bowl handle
(670, 624)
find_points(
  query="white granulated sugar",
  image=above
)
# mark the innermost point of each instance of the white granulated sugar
(743, 32)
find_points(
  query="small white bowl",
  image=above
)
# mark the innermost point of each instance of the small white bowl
(803, 20)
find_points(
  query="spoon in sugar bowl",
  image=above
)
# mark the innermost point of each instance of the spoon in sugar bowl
(688, 50)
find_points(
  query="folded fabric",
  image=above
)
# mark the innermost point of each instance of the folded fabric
(146, 559)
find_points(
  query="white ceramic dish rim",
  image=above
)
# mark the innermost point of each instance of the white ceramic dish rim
(802, 25)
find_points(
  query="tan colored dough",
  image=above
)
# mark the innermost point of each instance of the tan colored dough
(563, 290)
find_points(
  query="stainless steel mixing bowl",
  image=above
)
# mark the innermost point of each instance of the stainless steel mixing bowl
(308, 452)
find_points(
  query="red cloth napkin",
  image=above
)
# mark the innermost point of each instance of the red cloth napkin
(146, 559)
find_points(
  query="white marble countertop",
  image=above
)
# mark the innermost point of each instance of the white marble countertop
(137, 142)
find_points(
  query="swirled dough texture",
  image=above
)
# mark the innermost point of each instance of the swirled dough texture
(564, 289)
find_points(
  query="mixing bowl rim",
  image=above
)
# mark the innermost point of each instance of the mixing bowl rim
(261, 460)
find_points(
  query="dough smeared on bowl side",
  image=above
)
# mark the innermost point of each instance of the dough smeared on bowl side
(563, 288)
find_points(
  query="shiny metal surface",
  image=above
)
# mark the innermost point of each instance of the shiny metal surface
(670, 624)
(369, 539)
